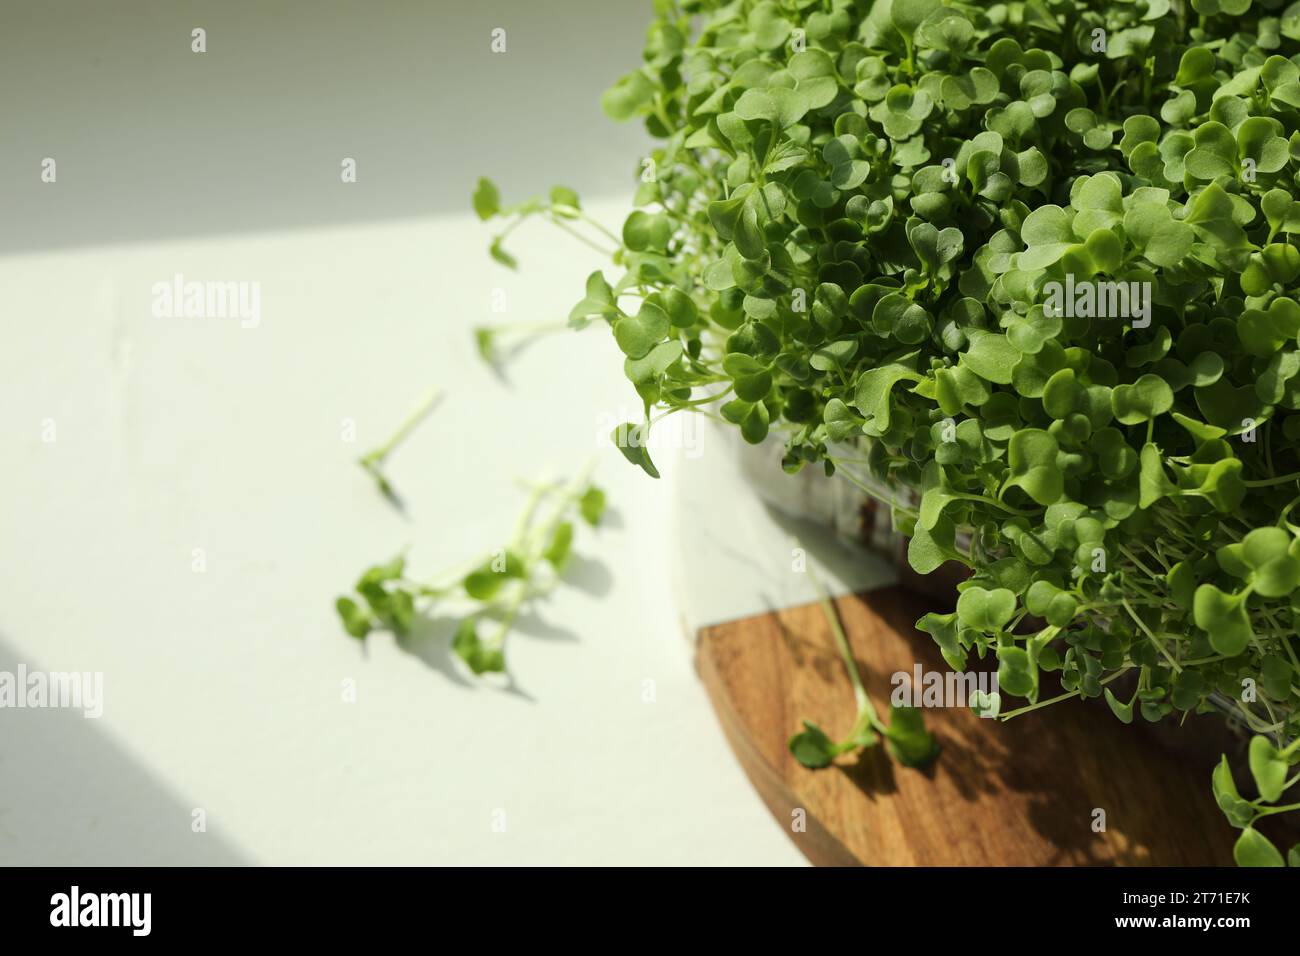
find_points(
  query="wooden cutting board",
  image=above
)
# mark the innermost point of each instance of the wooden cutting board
(1018, 793)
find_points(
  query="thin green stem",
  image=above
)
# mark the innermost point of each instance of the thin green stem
(583, 239)
(599, 227)
(1269, 811)
(529, 328)
(1056, 700)
(866, 489)
(846, 652)
(1265, 482)
(1151, 637)
(416, 416)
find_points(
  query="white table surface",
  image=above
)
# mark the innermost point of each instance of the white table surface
(223, 689)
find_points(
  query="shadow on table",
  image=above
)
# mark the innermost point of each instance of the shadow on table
(430, 640)
(74, 797)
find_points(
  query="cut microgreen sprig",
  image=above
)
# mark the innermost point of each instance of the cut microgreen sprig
(497, 343)
(373, 461)
(489, 591)
(905, 733)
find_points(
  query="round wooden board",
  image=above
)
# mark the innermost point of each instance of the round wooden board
(1019, 793)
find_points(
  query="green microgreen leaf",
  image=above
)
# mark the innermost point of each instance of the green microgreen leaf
(1255, 849)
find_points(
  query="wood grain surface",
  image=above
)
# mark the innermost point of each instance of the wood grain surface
(1016, 793)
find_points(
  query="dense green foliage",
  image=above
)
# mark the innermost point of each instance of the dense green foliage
(850, 233)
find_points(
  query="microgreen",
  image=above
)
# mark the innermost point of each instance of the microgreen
(489, 591)
(373, 461)
(905, 734)
(498, 343)
(1037, 263)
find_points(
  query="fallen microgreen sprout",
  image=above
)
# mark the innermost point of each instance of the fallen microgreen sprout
(498, 343)
(488, 592)
(908, 740)
(373, 461)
